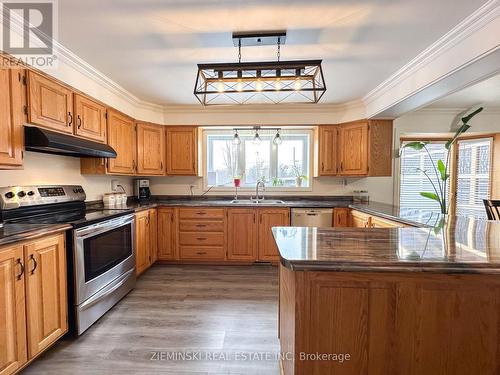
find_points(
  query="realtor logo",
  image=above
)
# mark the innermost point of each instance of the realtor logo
(28, 30)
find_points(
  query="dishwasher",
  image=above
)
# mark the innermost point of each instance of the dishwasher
(312, 217)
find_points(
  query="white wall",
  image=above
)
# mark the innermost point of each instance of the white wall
(43, 169)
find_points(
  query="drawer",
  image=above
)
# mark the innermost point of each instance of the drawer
(201, 253)
(201, 239)
(201, 226)
(201, 213)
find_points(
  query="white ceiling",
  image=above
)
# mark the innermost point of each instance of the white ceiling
(151, 47)
(485, 93)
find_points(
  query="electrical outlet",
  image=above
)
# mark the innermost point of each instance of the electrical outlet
(114, 185)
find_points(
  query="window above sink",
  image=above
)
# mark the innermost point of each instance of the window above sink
(283, 167)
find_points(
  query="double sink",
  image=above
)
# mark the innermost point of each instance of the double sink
(257, 201)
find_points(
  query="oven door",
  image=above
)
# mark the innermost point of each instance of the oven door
(102, 253)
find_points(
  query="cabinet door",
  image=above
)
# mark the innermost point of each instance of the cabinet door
(12, 102)
(360, 220)
(150, 149)
(166, 234)
(153, 235)
(90, 119)
(121, 136)
(328, 150)
(50, 104)
(46, 300)
(268, 218)
(354, 149)
(341, 217)
(242, 234)
(182, 150)
(12, 310)
(142, 250)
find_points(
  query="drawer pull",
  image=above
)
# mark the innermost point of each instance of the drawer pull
(201, 213)
(201, 238)
(201, 225)
(201, 253)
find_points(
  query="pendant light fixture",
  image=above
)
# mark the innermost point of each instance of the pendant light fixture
(270, 82)
(277, 140)
(236, 138)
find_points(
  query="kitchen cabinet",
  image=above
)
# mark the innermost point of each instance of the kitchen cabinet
(182, 150)
(50, 104)
(142, 242)
(341, 217)
(202, 234)
(360, 220)
(13, 346)
(167, 231)
(12, 118)
(46, 299)
(268, 218)
(242, 234)
(33, 299)
(328, 150)
(153, 235)
(378, 222)
(150, 149)
(122, 137)
(90, 119)
(358, 148)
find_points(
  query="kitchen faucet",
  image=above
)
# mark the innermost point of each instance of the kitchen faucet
(259, 184)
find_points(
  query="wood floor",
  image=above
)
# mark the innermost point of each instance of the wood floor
(229, 312)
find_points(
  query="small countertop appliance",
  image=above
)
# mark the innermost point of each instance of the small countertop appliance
(141, 189)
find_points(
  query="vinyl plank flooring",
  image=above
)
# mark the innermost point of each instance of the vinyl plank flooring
(229, 312)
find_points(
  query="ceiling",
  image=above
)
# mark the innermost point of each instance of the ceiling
(151, 47)
(485, 93)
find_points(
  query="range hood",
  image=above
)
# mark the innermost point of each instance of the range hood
(41, 140)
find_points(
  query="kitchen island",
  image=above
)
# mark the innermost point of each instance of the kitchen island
(390, 301)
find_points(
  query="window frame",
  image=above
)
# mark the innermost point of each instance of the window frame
(273, 156)
(453, 167)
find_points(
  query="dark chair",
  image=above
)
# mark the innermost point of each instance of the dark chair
(492, 209)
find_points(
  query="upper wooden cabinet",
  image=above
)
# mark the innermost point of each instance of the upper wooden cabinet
(90, 119)
(358, 148)
(268, 218)
(150, 149)
(182, 150)
(328, 150)
(50, 104)
(13, 353)
(122, 137)
(12, 118)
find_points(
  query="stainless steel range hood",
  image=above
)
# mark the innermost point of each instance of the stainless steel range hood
(41, 140)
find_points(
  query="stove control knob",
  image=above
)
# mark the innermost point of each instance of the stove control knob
(31, 193)
(21, 194)
(75, 190)
(9, 195)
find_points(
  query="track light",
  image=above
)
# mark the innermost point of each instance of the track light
(236, 138)
(256, 138)
(277, 138)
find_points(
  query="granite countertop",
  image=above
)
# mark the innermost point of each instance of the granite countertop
(461, 245)
(11, 233)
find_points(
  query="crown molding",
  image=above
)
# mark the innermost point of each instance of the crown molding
(488, 110)
(477, 20)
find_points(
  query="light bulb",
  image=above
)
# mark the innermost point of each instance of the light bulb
(277, 85)
(296, 85)
(256, 139)
(277, 139)
(236, 139)
(258, 85)
(239, 86)
(220, 87)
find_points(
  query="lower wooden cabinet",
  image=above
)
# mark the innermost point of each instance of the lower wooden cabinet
(146, 239)
(341, 217)
(363, 220)
(167, 229)
(33, 299)
(268, 218)
(242, 234)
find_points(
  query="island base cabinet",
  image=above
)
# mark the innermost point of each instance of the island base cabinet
(375, 323)
(33, 300)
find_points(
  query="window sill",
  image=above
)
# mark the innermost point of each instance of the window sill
(269, 189)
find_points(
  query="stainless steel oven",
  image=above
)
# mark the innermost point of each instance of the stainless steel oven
(104, 267)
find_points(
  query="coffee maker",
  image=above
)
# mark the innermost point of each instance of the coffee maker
(141, 189)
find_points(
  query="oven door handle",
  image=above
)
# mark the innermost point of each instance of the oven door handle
(96, 229)
(99, 296)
